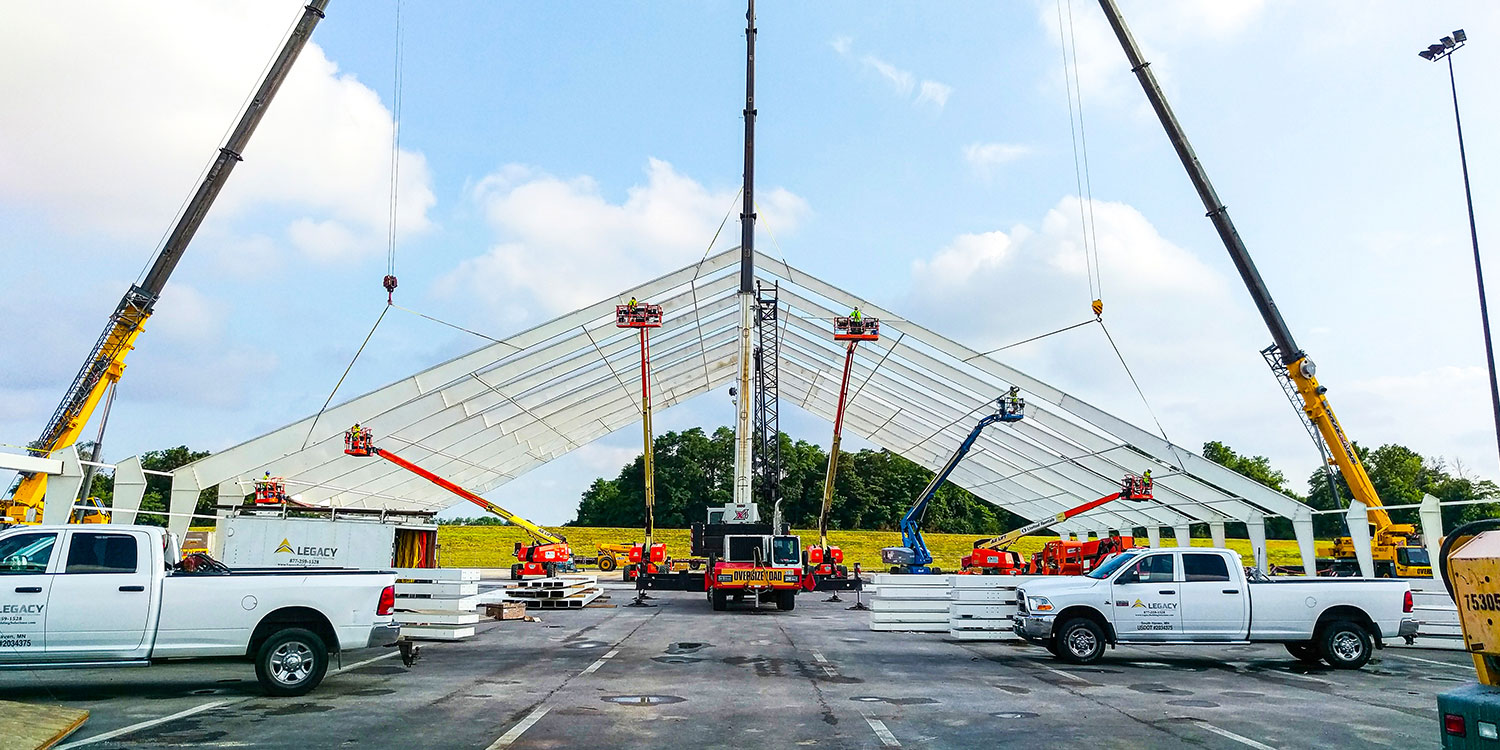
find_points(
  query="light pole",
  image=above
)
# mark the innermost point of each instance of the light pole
(1444, 50)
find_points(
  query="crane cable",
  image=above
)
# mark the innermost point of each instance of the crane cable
(398, 57)
(1083, 182)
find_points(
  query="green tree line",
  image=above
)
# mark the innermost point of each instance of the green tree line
(872, 489)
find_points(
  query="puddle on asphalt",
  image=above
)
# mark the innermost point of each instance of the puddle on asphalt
(299, 708)
(893, 701)
(676, 659)
(1193, 703)
(373, 691)
(1242, 694)
(641, 700)
(686, 647)
(1014, 689)
(1014, 715)
(1442, 678)
(1157, 688)
(585, 645)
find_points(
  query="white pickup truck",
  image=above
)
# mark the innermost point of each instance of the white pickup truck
(93, 596)
(1201, 596)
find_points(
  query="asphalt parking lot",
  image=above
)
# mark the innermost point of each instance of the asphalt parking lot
(679, 675)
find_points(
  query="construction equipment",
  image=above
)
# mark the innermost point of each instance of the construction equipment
(1470, 565)
(105, 365)
(1061, 557)
(1290, 363)
(743, 558)
(913, 556)
(993, 556)
(91, 510)
(548, 556)
(269, 489)
(823, 562)
(766, 447)
(643, 317)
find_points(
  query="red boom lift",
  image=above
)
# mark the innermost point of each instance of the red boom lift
(547, 556)
(823, 563)
(993, 556)
(643, 318)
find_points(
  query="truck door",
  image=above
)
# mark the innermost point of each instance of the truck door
(25, 584)
(1147, 600)
(1213, 602)
(101, 596)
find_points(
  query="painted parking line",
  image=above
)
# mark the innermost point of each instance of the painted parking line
(1060, 673)
(592, 667)
(886, 738)
(359, 664)
(122, 731)
(521, 727)
(1299, 676)
(818, 655)
(1225, 733)
(1464, 667)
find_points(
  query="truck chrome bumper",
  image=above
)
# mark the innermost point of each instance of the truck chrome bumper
(1408, 627)
(1034, 628)
(383, 635)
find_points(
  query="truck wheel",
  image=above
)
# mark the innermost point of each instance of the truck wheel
(291, 662)
(720, 600)
(1306, 652)
(607, 563)
(786, 601)
(1344, 644)
(1080, 641)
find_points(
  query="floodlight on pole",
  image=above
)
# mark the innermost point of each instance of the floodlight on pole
(1444, 51)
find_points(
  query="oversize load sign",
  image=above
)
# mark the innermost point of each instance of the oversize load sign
(756, 576)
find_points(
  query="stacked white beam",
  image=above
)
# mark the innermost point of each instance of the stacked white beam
(983, 608)
(562, 592)
(1436, 615)
(437, 604)
(914, 603)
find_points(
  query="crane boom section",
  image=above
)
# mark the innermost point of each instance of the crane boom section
(538, 533)
(1008, 538)
(1298, 368)
(106, 363)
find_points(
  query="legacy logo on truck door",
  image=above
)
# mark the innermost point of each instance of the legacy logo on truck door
(14, 617)
(305, 555)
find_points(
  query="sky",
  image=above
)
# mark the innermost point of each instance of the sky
(921, 155)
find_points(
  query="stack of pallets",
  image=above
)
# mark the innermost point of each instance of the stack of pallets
(916, 603)
(437, 604)
(562, 592)
(983, 608)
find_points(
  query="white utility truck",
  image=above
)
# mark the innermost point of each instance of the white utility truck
(96, 596)
(1201, 596)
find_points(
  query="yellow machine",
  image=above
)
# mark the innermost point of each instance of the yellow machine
(106, 363)
(1470, 560)
(1291, 365)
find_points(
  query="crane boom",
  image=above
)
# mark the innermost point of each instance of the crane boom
(106, 362)
(1294, 363)
(538, 533)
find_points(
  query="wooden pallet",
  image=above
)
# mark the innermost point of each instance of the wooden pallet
(30, 726)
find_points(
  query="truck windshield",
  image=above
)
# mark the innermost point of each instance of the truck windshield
(746, 549)
(786, 550)
(1412, 556)
(1112, 564)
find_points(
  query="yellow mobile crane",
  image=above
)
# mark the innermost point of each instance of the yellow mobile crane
(1397, 548)
(106, 363)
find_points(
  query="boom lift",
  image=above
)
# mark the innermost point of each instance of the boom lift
(548, 556)
(913, 556)
(823, 563)
(993, 556)
(643, 317)
(1391, 542)
(106, 362)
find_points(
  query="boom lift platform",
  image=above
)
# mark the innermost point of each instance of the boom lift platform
(913, 556)
(547, 557)
(993, 556)
(823, 563)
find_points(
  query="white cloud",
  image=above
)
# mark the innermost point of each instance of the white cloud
(985, 158)
(562, 244)
(113, 110)
(935, 93)
(902, 81)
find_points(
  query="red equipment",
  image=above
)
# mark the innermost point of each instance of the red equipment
(993, 556)
(548, 556)
(1067, 558)
(270, 490)
(644, 317)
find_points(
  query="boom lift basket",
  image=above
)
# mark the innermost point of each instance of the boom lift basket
(358, 444)
(846, 328)
(271, 490)
(639, 316)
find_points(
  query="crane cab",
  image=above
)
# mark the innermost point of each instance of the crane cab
(847, 328)
(357, 441)
(639, 315)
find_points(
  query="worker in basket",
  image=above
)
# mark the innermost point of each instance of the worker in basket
(1013, 400)
(631, 305)
(855, 316)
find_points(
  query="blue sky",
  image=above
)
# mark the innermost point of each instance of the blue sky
(917, 154)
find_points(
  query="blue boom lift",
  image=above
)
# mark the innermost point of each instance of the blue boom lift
(913, 556)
